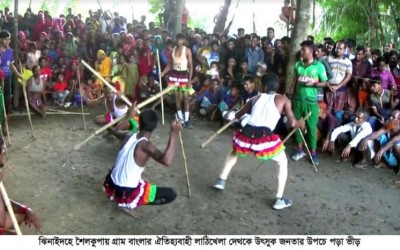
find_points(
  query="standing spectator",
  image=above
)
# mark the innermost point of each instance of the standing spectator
(254, 54)
(309, 75)
(342, 69)
(7, 66)
(387, 79)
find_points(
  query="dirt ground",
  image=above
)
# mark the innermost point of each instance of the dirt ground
(65, 187)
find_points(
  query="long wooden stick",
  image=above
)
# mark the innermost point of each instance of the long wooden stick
(6, 122)
(139, 106)
(219, 131)
(80, 92)
(160, 80)
(2, 136)
(9, 208)
(28, 110)
(123, 97)
(308, 150)
(108, 125)
(186, 167)
(26, 100)
(50, 113)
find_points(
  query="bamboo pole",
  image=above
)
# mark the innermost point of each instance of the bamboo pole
(123, 97)
(219, 131)
(26, 100)
(2, 136)
(80, 93)
(6, 122)
(160, 80)
(28, 110)
(108, 125)
(186, 167)
(9, 208)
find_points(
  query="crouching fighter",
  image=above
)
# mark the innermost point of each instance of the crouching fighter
(124, 183)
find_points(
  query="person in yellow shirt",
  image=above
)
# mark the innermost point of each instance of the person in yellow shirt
(103, 66)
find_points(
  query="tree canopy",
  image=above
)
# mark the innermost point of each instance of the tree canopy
(370, 22)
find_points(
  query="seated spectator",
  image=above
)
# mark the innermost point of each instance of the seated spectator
(351, 134)
(209, 99)
(326, 123)
(363, 93)
(381, 102)
(103, 65)
(214, 72)
(212, 55)
(231, 104)
(60, 91)
(386, 140)
(250, 88)
(36, 92)
(32, 57)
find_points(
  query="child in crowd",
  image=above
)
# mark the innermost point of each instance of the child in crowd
(231, 104)
(60, 91)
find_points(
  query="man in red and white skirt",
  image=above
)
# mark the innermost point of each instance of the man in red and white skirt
(259, 118)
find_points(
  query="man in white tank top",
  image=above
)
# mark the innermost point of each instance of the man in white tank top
(180, 69)
(124, 184)
(259, 116)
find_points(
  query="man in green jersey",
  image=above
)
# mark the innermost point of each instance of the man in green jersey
(309, 75)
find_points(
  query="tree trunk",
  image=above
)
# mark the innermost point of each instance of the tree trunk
(180, 4)
(299, 34)
(15, 44)
(223, 16)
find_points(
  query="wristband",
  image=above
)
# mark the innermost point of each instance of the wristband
(134, 125)
(24, 209)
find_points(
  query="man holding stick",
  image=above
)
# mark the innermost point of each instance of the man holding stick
(309, 75)
(124, 183)
(259, 118)
(22, 213)
(180, 77)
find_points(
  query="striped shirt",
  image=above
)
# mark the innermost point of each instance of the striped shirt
(340, 67)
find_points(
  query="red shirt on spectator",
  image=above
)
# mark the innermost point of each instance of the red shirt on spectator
(60, 86)
(45, 73)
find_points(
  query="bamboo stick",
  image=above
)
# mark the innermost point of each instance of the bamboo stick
(80, 92)
(9, 208)
(186, 167)
(108, 125)
(6, 122)
(160, 80)
(123, 97)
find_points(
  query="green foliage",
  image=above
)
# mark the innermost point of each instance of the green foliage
(156, 6)
(45, 6)
(367, 21)
(5, 3)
